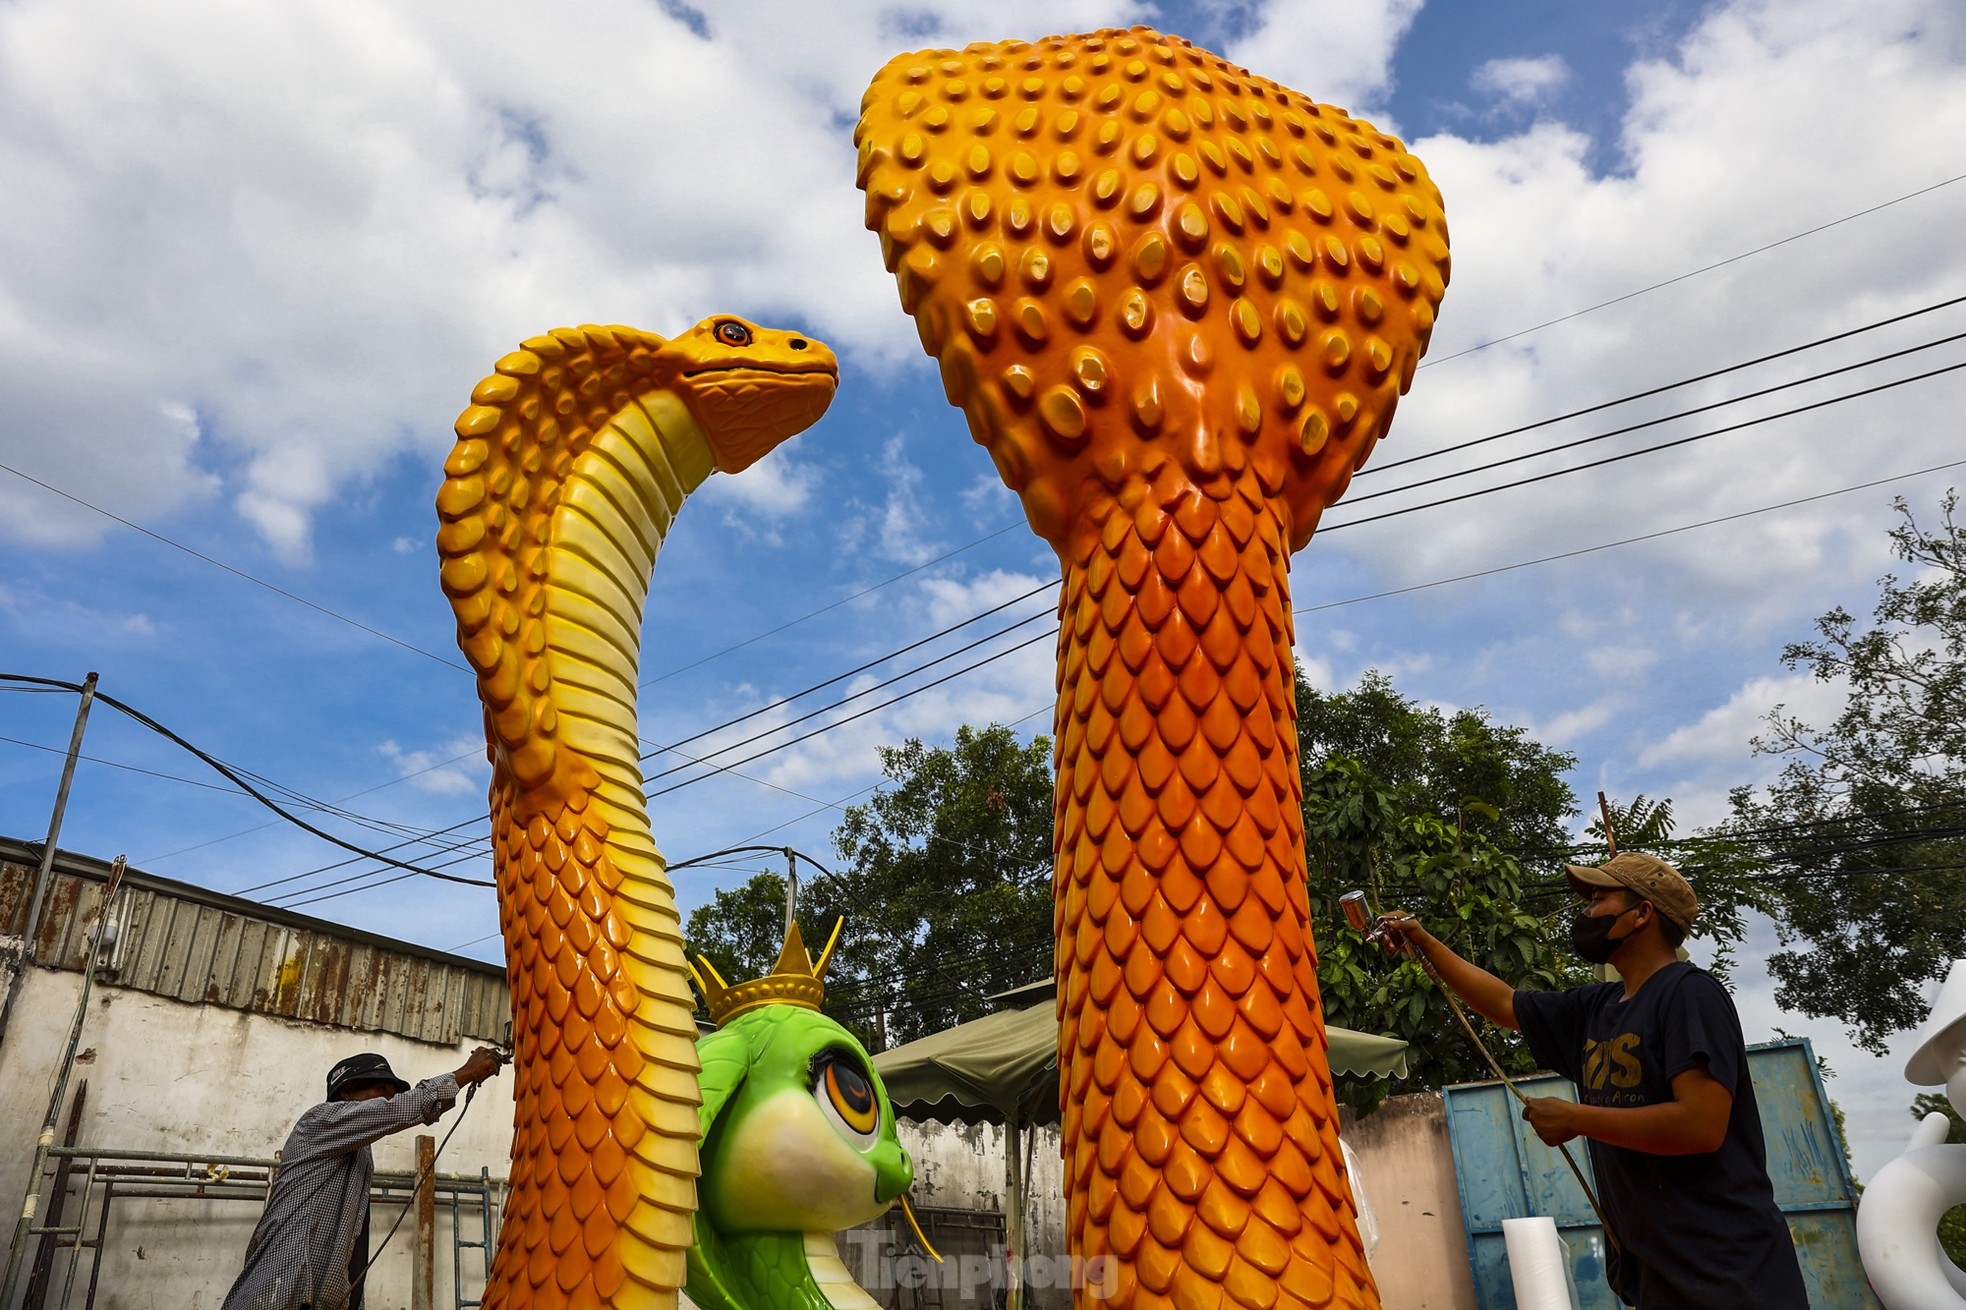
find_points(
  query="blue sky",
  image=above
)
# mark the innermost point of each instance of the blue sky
(255, 260)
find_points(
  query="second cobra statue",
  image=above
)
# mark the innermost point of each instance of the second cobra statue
(570, 465)
(1177, 303)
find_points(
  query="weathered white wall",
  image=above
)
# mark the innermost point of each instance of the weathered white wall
(961, 1167)
(167, 1076)
(1406, 1170)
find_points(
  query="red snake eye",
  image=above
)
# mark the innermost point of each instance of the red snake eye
(733, 334)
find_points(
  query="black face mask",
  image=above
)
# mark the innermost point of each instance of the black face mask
(1590, 935)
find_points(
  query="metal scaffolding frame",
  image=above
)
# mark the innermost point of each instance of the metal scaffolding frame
(171, 1175)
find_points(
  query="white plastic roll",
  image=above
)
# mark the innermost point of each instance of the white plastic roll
(1537, 1264)
(1368, 1223)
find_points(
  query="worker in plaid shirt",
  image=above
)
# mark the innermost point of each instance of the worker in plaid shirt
(311, 1245)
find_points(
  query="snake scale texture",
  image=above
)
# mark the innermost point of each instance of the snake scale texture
(1177, 303)
(572, 461)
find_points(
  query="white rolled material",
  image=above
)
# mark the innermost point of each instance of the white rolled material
(1898, 1222)
(1537, 1264)
(1368, 1223)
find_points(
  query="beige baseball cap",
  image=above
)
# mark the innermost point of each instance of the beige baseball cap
(1646, 875)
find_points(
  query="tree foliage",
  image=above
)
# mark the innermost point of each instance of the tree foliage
(950, 870)
(945, 885)
(1434, 763)
(1470, 892)
(1863, 833)
(741, 929)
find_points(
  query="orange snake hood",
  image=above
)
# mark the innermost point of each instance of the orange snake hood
(1178, 304)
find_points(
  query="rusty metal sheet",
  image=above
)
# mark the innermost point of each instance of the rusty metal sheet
(203, 947)
(16, 889)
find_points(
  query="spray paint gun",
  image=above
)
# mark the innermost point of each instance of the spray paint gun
(1372, 925)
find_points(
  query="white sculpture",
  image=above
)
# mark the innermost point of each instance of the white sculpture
(1897, 1222)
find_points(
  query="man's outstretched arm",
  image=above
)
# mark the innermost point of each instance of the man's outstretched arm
(340, 1126)
(1492, 998)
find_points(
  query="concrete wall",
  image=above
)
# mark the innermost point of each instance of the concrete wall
(1405, 1171)
(164, 1075)
(168, 1076)
(1406, 1175)
(959, 1196)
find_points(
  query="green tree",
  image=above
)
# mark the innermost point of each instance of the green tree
(1435, 762)
(950, 875)
(1726, 875)
(1359, 835)
(944, 883)
(1862, 837)
(1952, 1224)
(741, 929)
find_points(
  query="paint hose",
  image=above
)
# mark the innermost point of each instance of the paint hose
(418, 1180)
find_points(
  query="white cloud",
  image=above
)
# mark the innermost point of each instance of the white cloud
(772, 490)
(230, 237)
(455, 768)
(1521, 82)
(1723, 733)
(900, 525)
(1339, 53)
(1620, 663)
(68, 622)
(1565, 728)
(1723, 143)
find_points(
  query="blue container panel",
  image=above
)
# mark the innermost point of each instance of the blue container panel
(1504, 1171)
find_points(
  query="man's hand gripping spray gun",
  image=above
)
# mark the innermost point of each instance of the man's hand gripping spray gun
(1376, 928)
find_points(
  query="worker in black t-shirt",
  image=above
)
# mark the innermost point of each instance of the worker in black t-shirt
(1663, 1095)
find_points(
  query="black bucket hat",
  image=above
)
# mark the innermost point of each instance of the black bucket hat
(356, 1070)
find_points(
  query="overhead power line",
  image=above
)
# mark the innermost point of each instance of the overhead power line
(828, 608)
(1664, 387)
(1656, 421)
(1626, 541)
(236, 779)
(857, 695)
(1307, 609)
(273, 587)
(362, 853)
(1705, 268)
(1643, 450)
(876, 662)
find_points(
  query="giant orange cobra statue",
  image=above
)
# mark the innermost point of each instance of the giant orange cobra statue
(570, 465)
(1177, 304)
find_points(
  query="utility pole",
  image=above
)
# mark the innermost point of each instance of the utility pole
(59, 1093)
(423, 1280)
(24, 954)
(791, 889)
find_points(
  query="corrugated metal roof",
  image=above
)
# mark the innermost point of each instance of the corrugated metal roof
(204, 947)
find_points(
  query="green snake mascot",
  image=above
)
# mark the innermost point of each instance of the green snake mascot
(798, 1144)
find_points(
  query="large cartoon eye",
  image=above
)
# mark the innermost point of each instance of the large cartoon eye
(733, 333)
(846, 1095)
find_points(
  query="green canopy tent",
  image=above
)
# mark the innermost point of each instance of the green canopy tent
(1003, 1069)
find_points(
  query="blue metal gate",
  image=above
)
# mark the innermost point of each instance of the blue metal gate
(1504, 1171)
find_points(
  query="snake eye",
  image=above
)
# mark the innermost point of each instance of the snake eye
(733, 333)
(846, 1094)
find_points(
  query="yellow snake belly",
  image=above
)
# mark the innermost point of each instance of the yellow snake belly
(571, 463)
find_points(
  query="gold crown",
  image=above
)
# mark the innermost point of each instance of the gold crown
(794, 980)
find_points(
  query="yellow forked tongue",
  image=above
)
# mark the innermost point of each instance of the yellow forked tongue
(915, 1224)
